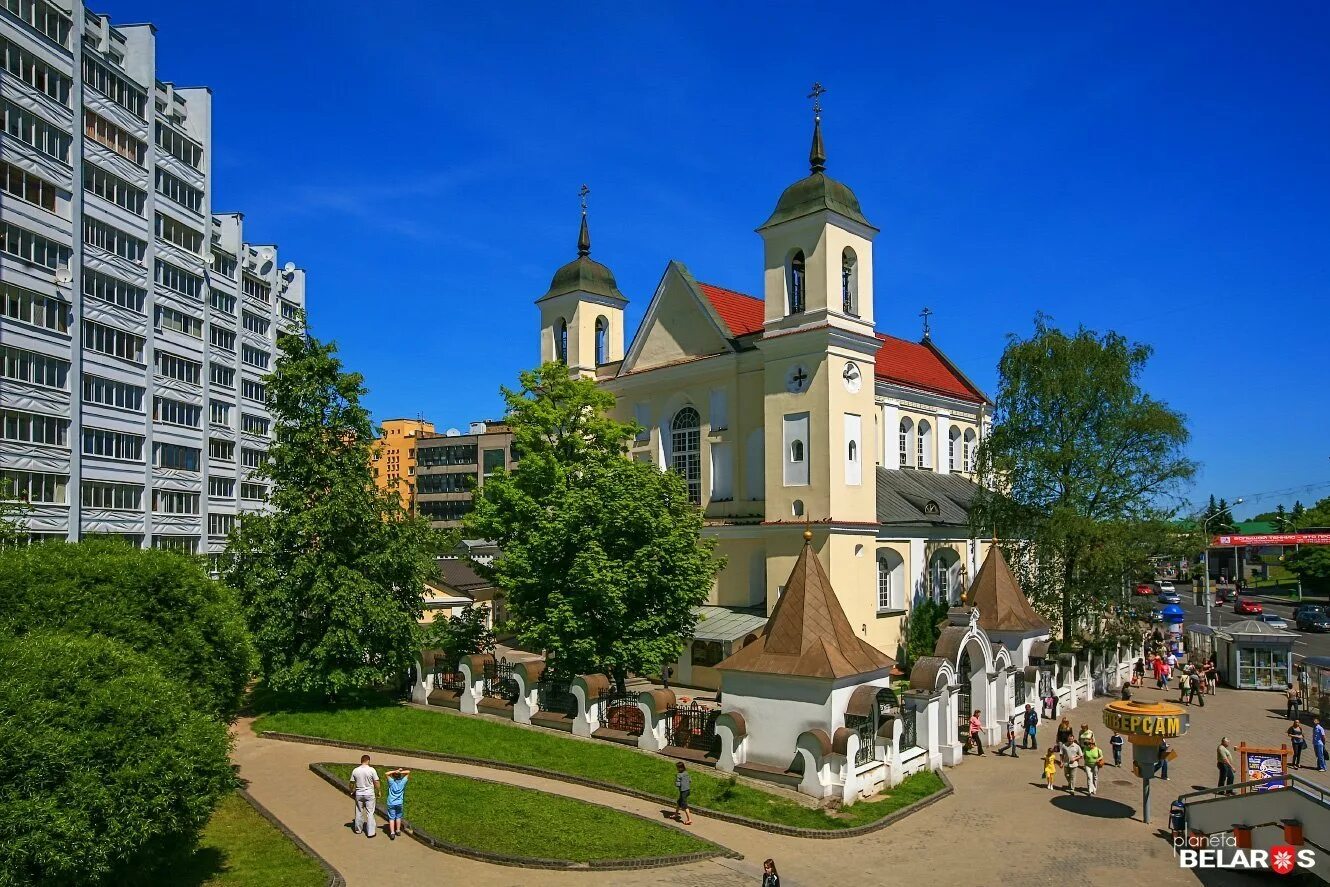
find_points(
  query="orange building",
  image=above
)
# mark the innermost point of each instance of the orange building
(394, 459)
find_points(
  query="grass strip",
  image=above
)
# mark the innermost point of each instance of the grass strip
(239, 848)
(535, 824)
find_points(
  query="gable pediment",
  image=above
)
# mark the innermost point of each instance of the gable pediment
(679, 325)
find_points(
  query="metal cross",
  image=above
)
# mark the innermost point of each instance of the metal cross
(582, 192)
(816, 96)
(925, 314)
(800, 377)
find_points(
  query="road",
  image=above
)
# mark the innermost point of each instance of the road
(1308, 643)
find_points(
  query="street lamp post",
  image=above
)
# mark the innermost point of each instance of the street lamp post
(1205, 531)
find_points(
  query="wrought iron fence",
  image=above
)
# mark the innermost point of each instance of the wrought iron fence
(691, 726)
(499, 680)
(909, 730)
(553, 695)
(1045, 683)
(619, 711)
(1020, 688)
(864, 727)
(448, 678)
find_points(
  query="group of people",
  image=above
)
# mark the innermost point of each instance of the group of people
(1079, 751)
(1298, 739)
(365, 788)
(1194, 681)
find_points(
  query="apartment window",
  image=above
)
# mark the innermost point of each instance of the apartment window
(254, 323)
(109, 340)
(255, 357)
(223, 302)
(221, 450)
(179, 233)
(492, 461)
(30, 307)
(112, 497)
(26, 186)
(179, 145)
(108, 135)
(113, 240)
(221, 337)
(28, 127)
(222, 487)
(175, 412)
(221, 375)
(182, 544)
(171, 319)
(113, 188)
(254, 424)
(452, 454)
(35, 486)
(256, 289)
(115, 87)
(252, 458)
(221, 524)
(174, 456)
(120, 395)
(223, 263)
(29, 366)
(112, 290)
(179, 191)
(255, 391)
(43, 16)
(33, 248)
(175, 502)
(290, 310)
(178, 279)
(219, 412)
(181, 368)
(35, 72)
(254, 492)
(447, 510)
(446, 483)
(51, 431)
(113, 444)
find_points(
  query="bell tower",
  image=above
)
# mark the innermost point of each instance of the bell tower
(581, 316)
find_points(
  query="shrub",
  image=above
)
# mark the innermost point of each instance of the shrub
(106, 764)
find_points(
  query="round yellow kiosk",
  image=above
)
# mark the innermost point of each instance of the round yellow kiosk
(1146, 725)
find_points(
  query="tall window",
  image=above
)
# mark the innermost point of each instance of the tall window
(561, 342)
(686, 451)
(883, 583)
(924, 439)
(955, 458)
(968, 450)
(602, 341)
(796, 283)
(907, 431)
(940, 576)
(849, 282)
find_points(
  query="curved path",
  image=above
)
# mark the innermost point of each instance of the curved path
(999, 826)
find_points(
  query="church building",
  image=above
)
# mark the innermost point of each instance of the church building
(788, 409)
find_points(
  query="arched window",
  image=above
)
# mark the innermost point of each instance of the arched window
(849, 282)
(797, 510)
(890, 580)
(940, 569)
(854, 451)
(925, 441)
(686, 451)
(602, 340)
(561, 343)
(796, 283)
(907, 432)
(955, 458)
(968, 453)
(796, 451)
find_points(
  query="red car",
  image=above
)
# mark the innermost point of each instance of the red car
(1143, 589)
(1246, 606)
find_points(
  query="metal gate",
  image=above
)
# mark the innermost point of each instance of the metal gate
(499, 680)
(692, 727)
(1045, 683)
(553, 695)
(909, 729)
(619, 711)
(448, 678)
(963, 697)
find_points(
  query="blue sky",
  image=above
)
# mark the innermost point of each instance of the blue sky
(1157, 169)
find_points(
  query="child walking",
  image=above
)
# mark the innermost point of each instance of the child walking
(1050, 767)
(396, 795)
(1116, 742)
(684, 783)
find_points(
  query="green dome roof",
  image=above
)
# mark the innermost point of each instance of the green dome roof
(582, 275)
(814, 194)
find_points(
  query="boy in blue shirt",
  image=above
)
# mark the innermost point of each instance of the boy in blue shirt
(396, 791)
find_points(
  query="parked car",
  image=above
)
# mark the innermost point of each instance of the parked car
(1169, 597)
(1144, 589)
(1246, 606)
(1310, 617)
(1274, 620)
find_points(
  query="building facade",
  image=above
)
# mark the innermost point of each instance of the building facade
(450, 467)
(394, 456)
(791, 408)
(136, 321)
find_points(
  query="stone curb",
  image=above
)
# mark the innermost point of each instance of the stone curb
(532, 862)
(335, 878)
(773, 828)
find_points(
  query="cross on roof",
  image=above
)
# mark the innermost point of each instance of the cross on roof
(816, 96)
(925, 314)
(582, 192)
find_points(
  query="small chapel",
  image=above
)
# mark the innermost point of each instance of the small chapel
(787, 406)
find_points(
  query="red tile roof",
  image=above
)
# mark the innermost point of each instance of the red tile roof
(898, 360)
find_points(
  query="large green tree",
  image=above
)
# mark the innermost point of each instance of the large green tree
(108, 765)
(1081, 473)
(332, 577)
(160, 603)
(603, 559)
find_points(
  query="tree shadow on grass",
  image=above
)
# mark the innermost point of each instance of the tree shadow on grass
(263, 700)
(194, 869)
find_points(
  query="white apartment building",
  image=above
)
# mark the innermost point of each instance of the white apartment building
(136, 324)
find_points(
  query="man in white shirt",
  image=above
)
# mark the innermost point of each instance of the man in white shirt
(365, 787)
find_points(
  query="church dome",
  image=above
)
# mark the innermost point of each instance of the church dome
(814, 194)
(583, 274)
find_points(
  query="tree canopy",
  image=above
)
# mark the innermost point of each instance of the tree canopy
(603, 560)
(1081, 473)
(331, 578)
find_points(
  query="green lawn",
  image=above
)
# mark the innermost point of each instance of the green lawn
(410, 728)
(534, 824)
(240, 848)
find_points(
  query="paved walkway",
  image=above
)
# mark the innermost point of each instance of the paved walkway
(1001, 825)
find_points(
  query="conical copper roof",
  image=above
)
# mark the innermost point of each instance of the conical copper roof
(998, 596)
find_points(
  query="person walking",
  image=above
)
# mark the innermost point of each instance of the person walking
(1094, 759)
(396, 797)
(1161, 766)
(1010, 748)
(1071, 759)
(683, 783)
(1318, 743)
(1085, 736)
(975, 739)
(1138, 673)
(769, 876)
(1158, 666)
(1050, 766)
(1031, 739)
(365, 790)
(1198, 688)
(1294, 703)
(1064, 731)
(1117, 741)
(1184, 685)
(1298, 742)
(1212, 674)
(1224, 759)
